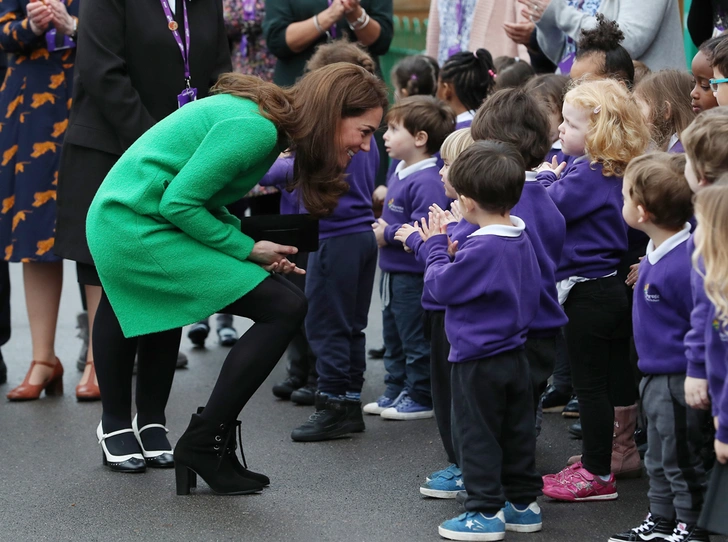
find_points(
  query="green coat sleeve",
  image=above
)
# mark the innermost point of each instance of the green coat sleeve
(230, 147)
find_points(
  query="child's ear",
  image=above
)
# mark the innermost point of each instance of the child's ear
(421, 138)
(642, 214)
(466, 203)
(668, 110)
(446, 91)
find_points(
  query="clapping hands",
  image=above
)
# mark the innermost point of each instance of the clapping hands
(43, 14)
(552, 166)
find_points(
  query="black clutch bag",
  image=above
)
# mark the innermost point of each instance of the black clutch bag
(300, 231)
(714, 517)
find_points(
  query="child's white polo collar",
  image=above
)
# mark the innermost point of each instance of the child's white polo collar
(531, 176)
(403, 172)
(503, 231)
(654, 255)
(462, 117)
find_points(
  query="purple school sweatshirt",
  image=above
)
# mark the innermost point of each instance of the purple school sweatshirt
(716, 364)
(353, 214)
(695, 338)
(490, 290)
(596, 234)
(410, 194)
(662, 306)
(457, 231)
(546, 228)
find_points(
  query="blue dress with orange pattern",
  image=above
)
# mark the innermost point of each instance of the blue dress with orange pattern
(35, 100)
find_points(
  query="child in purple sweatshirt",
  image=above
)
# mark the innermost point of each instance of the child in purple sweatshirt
(417, 126)
(604, 129)
(491, 294)
(658, 202)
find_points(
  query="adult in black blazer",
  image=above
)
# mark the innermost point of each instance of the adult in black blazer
(129, 72)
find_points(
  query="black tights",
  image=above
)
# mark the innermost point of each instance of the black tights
(278, 308)
(114, 360)
(275, 305)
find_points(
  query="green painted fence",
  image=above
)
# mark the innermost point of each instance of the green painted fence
(409, 39)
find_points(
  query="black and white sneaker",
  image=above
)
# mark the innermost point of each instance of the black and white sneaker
(652, 528)
(688, 533)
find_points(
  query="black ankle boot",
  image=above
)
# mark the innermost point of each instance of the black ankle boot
(354, 416)
(242, 470)
(202, 450)
(331, 420)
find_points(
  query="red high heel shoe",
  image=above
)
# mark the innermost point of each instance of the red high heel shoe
(53, 385)
(90, 390)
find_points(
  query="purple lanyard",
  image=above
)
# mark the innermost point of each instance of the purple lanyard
(172, 25)
(332, 30)
(248, 15)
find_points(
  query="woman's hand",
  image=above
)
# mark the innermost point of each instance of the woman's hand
(634, 273)
(284, 267)
(520, 32)
(380, 192)
(534, 9)
(271, 256)
(696, 393)
(332, 14)
(63, 22)
(40, 16)
(350, 6)
(378, 228)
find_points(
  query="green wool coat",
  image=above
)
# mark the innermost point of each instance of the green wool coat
(167, 251)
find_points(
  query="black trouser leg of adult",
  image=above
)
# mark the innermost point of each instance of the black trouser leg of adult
(114, 360)
(493, 431)
(599, 356)
(562, 369)
(278, 308)
(440, 379)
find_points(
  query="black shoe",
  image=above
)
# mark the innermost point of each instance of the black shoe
(232, 446)
(3, 370)
(554, 400)
(203, 450)
(227, 336)
(331, 420)
(283, 390)
(688, 533)
(198, 333)
(652, 528)
(354, 416)
(120, 450)
(305, 395)
(571, 410)
(575, 430)
(376, 353)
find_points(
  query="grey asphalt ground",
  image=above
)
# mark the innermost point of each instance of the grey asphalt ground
(361, 489)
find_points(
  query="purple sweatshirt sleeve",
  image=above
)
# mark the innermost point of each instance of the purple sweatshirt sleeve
(414, 242)
(421, 199)
(695, 338)
(279, 174)
(446, 279)
(722, 432)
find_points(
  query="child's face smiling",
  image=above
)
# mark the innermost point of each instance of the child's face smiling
(701, 97)
(572, 132)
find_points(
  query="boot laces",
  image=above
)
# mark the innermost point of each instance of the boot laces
(647, 524)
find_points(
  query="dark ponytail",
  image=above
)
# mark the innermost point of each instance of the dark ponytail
(417, 75)
(472, 75)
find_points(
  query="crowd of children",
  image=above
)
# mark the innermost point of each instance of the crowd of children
(541, 226)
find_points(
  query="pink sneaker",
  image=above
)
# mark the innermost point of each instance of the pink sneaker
(559, 475)
(576, 484)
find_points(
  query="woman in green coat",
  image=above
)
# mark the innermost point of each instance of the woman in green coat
(168, 253)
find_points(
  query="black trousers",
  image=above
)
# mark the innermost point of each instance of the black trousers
(440, 378)
(301, 361)
(4, 303)
(493, 431)
(597, 337)
(541, 354)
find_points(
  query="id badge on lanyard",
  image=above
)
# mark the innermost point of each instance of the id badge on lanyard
(56, 41)
(189, 93)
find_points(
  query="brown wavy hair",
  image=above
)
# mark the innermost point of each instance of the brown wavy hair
(308, 116)
(667, 95)
(341, 50)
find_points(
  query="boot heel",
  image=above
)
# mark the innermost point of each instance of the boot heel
(193, 479)
(55, 387)
(183, 479)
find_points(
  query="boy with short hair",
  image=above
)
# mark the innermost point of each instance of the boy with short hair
(491, 293)
(658, 201)
(719, 63)
(417, 127)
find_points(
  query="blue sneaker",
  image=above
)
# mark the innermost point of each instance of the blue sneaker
(474, 526)
(450, 468)
(523, 521)
(407, 408)
(444, 486)
(380, 405)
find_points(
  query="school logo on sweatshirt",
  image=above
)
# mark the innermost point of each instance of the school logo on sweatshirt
(652, 298)
(720, 330)
(394, 208)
